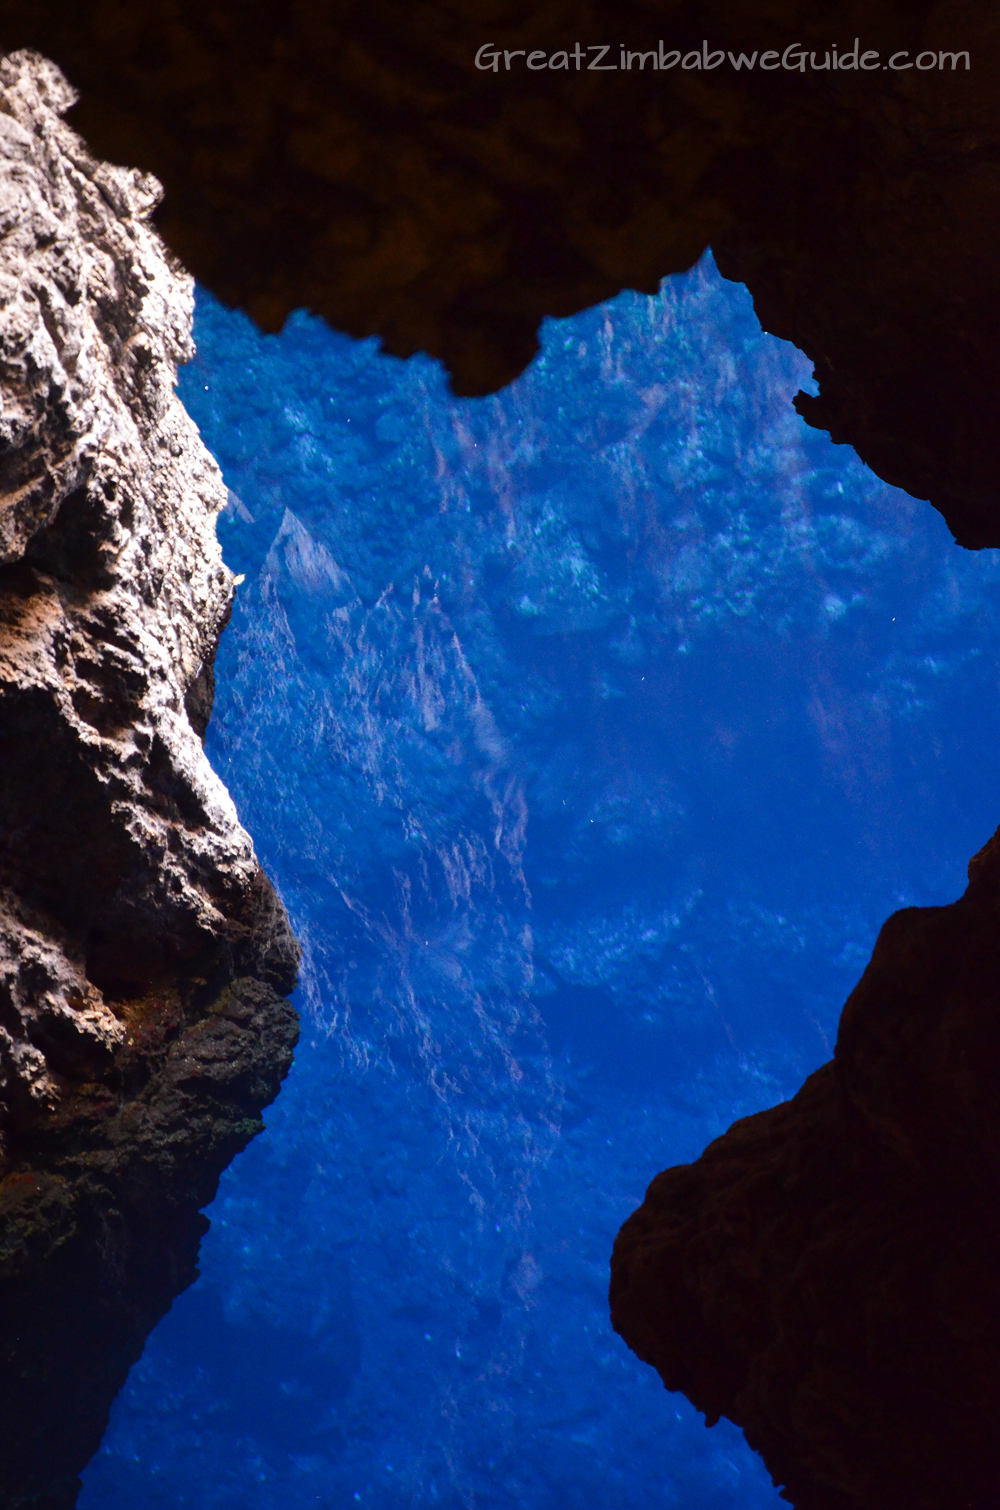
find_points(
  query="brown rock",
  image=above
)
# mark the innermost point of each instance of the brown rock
(826, 1273)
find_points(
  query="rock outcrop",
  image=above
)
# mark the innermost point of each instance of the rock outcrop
(352, 160)
(144, 956)
(826, 1273)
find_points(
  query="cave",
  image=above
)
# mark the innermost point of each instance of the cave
(822, 1275)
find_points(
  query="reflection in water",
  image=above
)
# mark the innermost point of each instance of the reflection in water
(589, 732)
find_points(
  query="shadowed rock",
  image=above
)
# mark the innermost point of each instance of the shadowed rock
(825, 1274)
(822, 1273)
(143, 954)
(352, 160)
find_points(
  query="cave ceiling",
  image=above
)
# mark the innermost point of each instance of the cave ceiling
(351, 159)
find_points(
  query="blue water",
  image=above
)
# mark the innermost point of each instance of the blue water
(589, 732)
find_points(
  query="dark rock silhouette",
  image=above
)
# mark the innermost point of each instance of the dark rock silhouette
(825, 1273)
(353, 160)
(143, 954)
(822, 1274)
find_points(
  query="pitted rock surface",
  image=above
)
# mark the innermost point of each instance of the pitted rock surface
(143, 954)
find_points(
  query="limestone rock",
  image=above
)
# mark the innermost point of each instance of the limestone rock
(143, 954)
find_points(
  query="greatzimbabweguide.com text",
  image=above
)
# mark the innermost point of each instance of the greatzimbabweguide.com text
(795, 58)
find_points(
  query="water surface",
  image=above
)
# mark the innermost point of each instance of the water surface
(589, 732)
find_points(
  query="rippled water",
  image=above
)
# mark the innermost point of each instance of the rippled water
(589, 732)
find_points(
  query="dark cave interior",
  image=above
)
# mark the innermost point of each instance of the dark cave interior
(350, 159)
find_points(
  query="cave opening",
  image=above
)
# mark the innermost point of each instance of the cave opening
(589, 732)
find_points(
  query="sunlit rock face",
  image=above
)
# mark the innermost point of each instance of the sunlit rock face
(143, 954)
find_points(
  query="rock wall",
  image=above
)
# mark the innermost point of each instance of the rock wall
(352, 160)
(143, 955)
(826, 1273)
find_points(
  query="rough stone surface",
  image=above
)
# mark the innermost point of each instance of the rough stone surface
(349, 158)
(142, 952)
(825, 1274)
